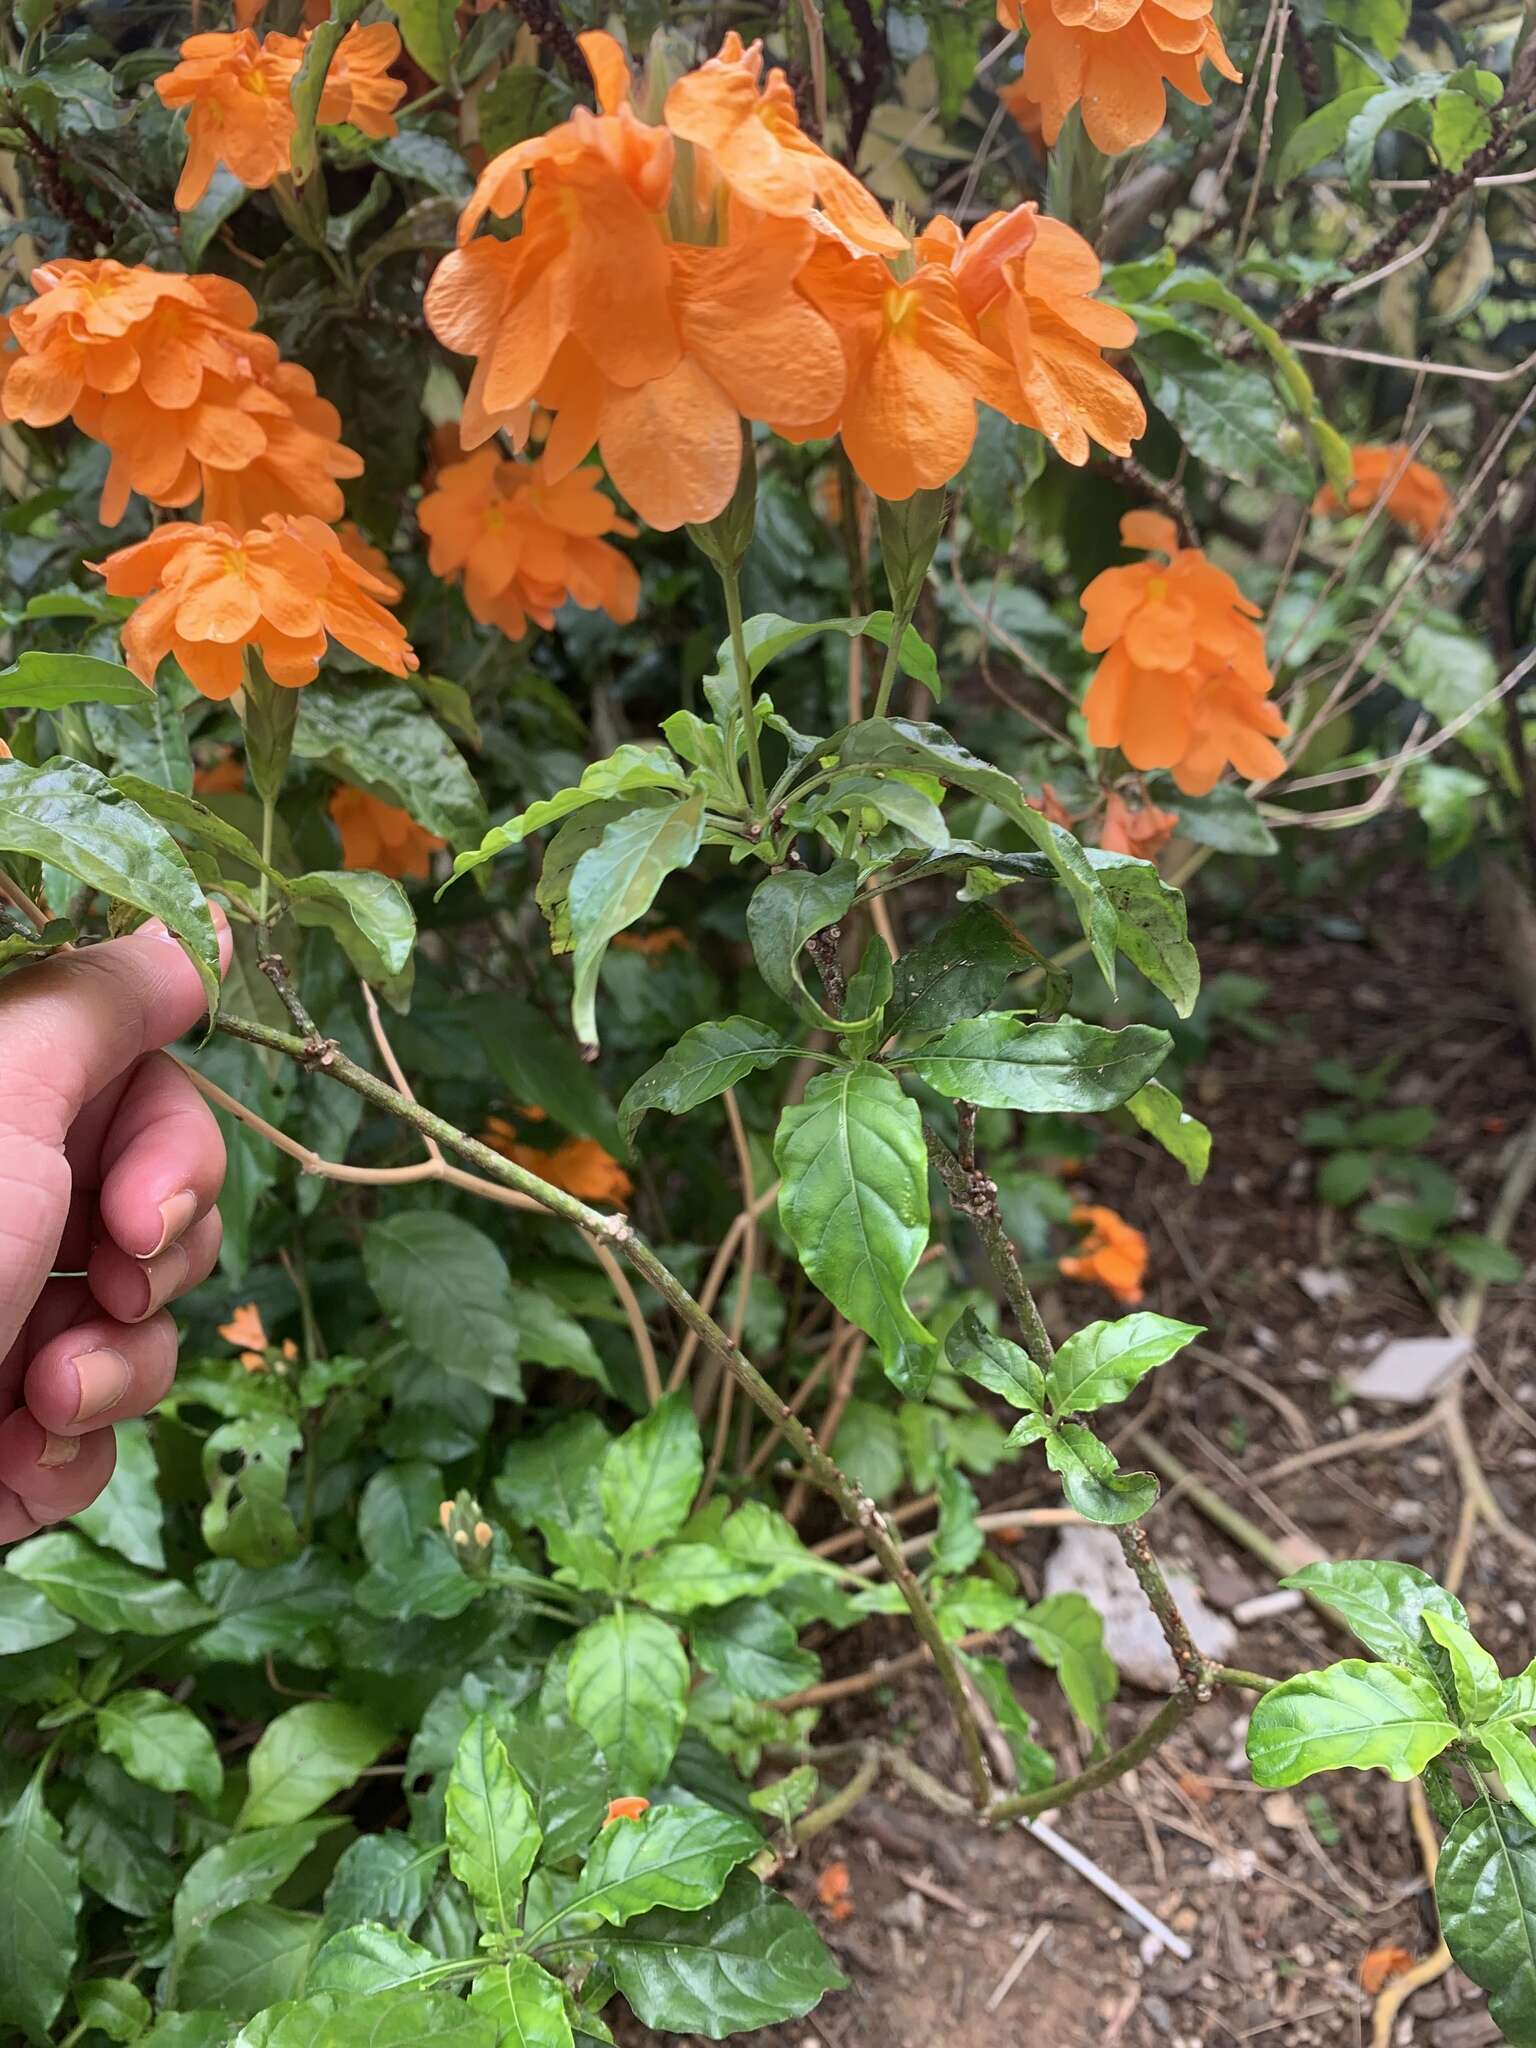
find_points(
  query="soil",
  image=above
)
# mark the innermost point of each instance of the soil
(1281, 1896)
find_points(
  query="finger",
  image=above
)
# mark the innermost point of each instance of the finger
(68, 1026)
(15, 1522)
(133, 1289)
(162, 1160)
(100, 1372)
(53, 1477)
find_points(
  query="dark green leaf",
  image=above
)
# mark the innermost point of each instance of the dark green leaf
(1485, 1889)
(753, 1648)
(368, 915)
(493, 1836)
(703, 1064)
(996, 1362)
(526, 2004)
(305, 1756)
(649, 1479)
(1002, 1061)
(1092, 1480)
(378, 736)
(250, 1958)
(1226, 413)
(448, 1285)
(677, 1856)
(41, 680)
(161, 1743)
(102, 1591)
(565, 1778)
(627, 1685)
(243, 1869)
(961, 971)
(615, 883)
(109, 2006)
(788, 909)
(39, 1902)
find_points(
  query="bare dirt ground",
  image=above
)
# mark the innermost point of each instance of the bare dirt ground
(1281, 1896)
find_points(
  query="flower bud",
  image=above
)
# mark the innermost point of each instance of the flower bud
(726, 538)
(909, 533)
(472, 1536)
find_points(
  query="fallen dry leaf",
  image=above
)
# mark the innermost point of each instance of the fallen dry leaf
(834, 1889)
(1381, 1965)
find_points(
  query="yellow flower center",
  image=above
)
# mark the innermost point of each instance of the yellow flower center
(1157, 590)
(900, 311)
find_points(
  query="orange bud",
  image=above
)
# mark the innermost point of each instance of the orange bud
(630, 1807)
(445, 1515)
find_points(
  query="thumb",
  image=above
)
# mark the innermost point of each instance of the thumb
(70, 1025)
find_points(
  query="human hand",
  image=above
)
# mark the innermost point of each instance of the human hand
(110, 1167)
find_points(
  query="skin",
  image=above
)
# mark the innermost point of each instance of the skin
(110, 1167)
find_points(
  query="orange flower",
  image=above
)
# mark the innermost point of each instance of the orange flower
(238, 88)
(373, 559)
(222, 777)
(245, 1328)
(381, 836)
(1050, 806)
(1026, 114)
(1415, 496)
(165, 371)
(1184, 683)
(527, 543)
(1115, 58)
(1112, 1255)
(630, 1807)
(649, 347)
(1144, 832)
(834, 1890)
(752, 143)
(280, 589)
(915, 369)
(1026, 285)
(668, 939)
(579, 1165)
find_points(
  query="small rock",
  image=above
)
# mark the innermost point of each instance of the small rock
(1282, 1811)
(1266, 1606)
(1088, 1561)
(1226, 1584)
(1322, 1284)
(1410, 1369)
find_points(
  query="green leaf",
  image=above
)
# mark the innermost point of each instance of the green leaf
(1151, 925)
(1482, 1258)
(854, 1200)
(754, 1649)
(650, 1476)
(377, 736)
(1322, 133)
(629, 770)
(627, 1685)
(903, 743)
(1381, 1603)
(1485, 1891)
(549, 1481)
(960, 971)
(703, 1064)
(615, 883)
(40, 680)
(368, 915)
(378, 1877)
(27, 1620)
(241, 1870)
(1092, 1480)
(430, 32)
(1459, 124)
(448, 1286)
(1381, 22)
(71, 817)
(788, 909)
(565, 1778)
(677, 1856)
(1001, 1061)
(1162, 1116)
(539, 1064)
(39, 1902)
(1473, 1672)
(767, 636)
(1225, 818)
(958, 1542)
(109, 2006)
(250, 1958)
(1105, 1361)
(306, 1756)
(1354, 1716)
(1512, 1751)
(786, 1798)
(687, 1576)
(997, 1363)
(127, 1517)
(749, 1960)
(370, 1959)
(1065, 1632)
(1380, 112)
(526, 2003)
(161, 1743)
(104, 1592)
(493, 1837)
(1226, 413)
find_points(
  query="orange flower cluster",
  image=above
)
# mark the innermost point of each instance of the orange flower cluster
(1112, 1255)
(527, 542)
(278, 589)
(1144, 832)
(246, 1329)
(1115, 58)
(579, 1165)
(381, 836)
(239, 89)
(652, 302)
(1184, 683)
(1415, 497)
(166, 372)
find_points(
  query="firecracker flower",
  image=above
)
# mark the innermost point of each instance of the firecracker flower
(526, 544)
(579, 1165)
(381, 836)
(1142, 831)
(629, 1807)
(1415, 497)
(1184, 683)
(166, 372)
(238, 87)
(1116, 59)
(1112, 1255)
(210, 594)
(224, 775)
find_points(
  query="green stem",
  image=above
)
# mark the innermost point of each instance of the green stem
(730, 583)
(888, 674)
(842, 1801)
(1154, 1733)
(268, 818)
(322, 1055)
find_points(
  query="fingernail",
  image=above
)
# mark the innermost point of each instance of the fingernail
(58, 1450)
(162, 1277)
(175, 1215)
(103, 1379)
